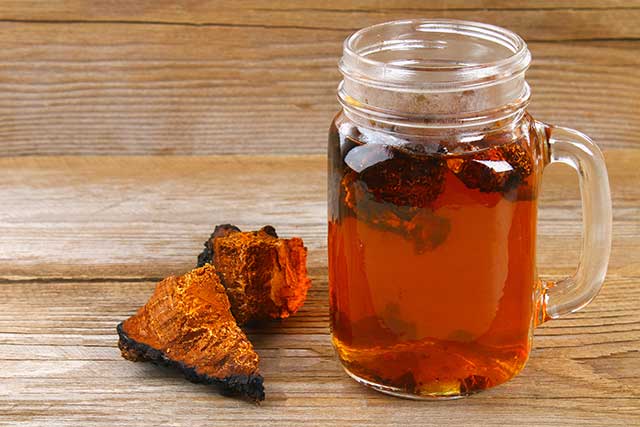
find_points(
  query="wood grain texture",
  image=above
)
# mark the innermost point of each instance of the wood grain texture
(535, 20)
(157, 77)
(147, 217)
(251, 85)
(60, 365)
(82, 238)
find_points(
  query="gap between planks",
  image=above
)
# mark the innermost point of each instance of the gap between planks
(298, 27)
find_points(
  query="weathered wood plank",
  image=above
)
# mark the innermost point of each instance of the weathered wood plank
(60, 364)
(196, 11)
(147, 217)
(536, 20)
(105, 88)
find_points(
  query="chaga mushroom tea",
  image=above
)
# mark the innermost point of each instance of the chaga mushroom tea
(432, 266)
(435, 167)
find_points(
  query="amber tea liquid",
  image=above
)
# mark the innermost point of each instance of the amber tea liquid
(432, 259)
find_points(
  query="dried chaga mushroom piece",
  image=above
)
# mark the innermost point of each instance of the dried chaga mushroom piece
(397, 175)
(265, 277)
(393, 189)
(222, 230)
(426, 229)
(497, 169)
(187, 324)
(474, 383)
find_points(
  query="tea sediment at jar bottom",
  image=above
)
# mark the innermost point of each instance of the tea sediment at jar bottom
(431, 258)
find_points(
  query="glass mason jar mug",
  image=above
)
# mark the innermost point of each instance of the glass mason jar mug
(434, 170)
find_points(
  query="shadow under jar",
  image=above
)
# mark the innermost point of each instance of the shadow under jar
(434, 169)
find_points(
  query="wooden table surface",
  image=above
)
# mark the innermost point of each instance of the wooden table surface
(225, 106)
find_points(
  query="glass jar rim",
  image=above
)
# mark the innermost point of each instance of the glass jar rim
(356, 65)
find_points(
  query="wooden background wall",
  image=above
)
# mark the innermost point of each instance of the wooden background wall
(249, 76)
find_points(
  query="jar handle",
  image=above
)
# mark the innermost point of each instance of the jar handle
(577, 150)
